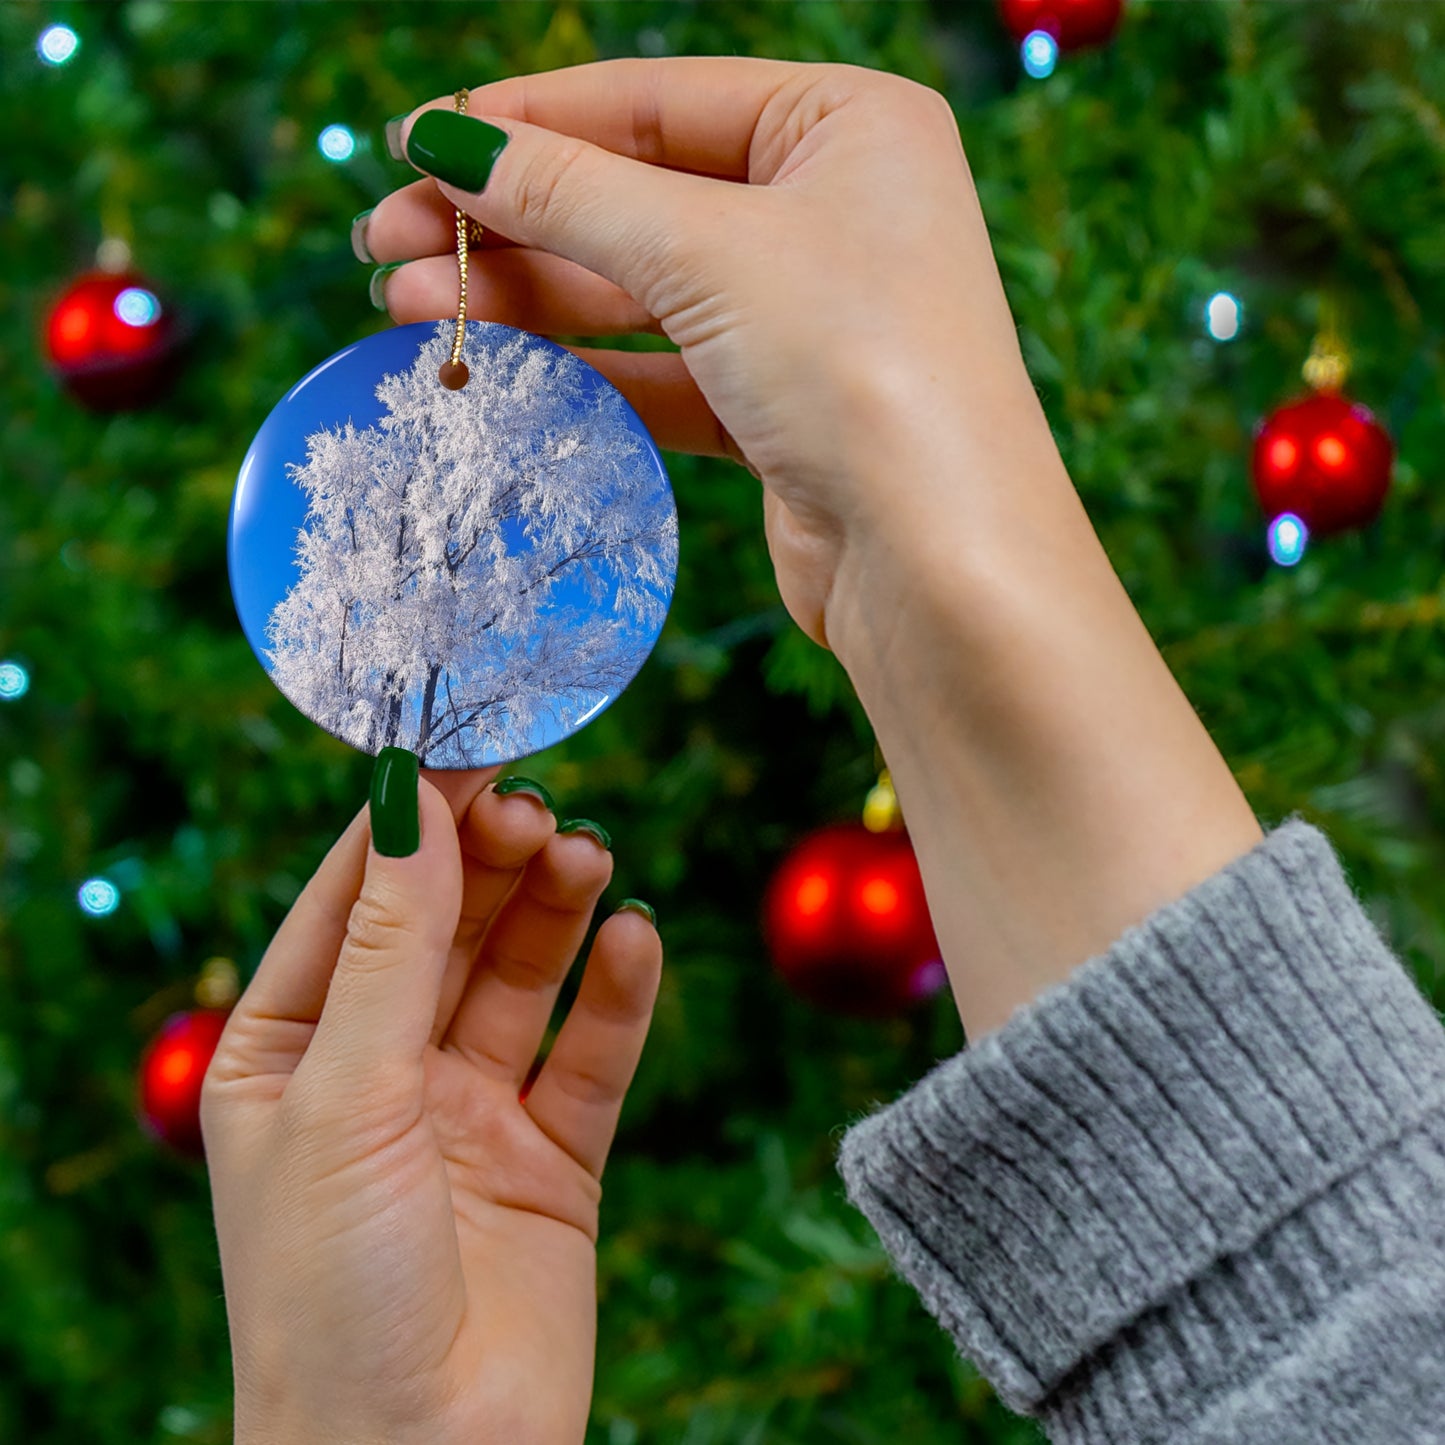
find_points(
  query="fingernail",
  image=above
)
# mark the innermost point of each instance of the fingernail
(636, 905)
(393, 137)
(377, 287)
(395, 810)
(359, 248)
(528, 786)
(455, 148)
(586, 825)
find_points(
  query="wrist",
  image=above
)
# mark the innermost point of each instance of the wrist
(1057, 784)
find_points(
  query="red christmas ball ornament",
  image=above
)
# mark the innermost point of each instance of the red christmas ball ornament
(1324, 458)
(847, 923)
(111, 341)
(1074, 24)
(171, 1072)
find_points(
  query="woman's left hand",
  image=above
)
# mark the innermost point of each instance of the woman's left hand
(407, 1236)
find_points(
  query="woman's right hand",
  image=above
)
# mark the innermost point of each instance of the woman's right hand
(840, 316)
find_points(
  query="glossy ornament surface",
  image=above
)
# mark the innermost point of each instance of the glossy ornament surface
(471, 574)
(112, 341)
(172, 1070)
(847, 923)
(1326, 460)
(1073, 24)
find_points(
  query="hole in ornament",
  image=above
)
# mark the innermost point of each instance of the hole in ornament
(453, 375)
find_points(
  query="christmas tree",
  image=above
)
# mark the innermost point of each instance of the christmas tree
(161, 802)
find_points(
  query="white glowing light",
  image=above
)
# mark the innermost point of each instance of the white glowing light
(14, 681)
(1040, 53)
(1287, 538)
(337, 143)
(99, 897)
(137, 306)
(1223, 316)
(57, 44)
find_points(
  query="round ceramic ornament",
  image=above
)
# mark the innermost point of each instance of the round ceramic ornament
(470, 569)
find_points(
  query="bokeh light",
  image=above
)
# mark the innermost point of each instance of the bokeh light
(138, 307)
(1223, 316)
(812, 896)
(879, 897)
(1040, 53)
(336, 143)
(1282, 454)
(98, 897)
(14, 681)
(57, 44)
(1287, 538)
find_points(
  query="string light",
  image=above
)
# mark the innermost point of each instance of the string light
(336, 143)
(1223, 316)
(98, 897)
(14, 681)
(137, 307)
(57, 44)
(1040, 54)
(1287, 538)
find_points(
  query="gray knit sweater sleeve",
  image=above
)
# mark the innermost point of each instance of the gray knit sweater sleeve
(1196, 1193)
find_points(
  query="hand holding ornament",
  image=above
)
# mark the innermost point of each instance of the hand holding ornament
(810, 237)
(407, 1223)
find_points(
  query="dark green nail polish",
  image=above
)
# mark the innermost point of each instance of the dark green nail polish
(636, 905)
(359, 248)
(393, 137)
(586, 825)
(395, 811)
(455, 148)
(529, 786)
(377, 287)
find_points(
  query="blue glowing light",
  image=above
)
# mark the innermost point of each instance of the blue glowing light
(137, 306)
(98, 897)
(57, 44)
(337, 143)
(14, 681)
(1223, 316)
(1287, 538)
(1040, 52)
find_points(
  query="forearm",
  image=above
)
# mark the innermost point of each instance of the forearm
(1057, 783)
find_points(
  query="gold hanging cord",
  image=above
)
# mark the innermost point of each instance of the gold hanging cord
(1328, 366)
(453, 372)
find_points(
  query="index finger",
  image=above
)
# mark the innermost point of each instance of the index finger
(688, 112)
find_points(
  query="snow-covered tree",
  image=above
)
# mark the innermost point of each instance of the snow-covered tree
(480, 565)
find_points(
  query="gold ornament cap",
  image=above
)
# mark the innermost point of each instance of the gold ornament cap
(881, 813)
(219, 985)
(1328, 366)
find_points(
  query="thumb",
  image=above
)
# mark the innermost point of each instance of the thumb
(382, 1000)
(633, 223)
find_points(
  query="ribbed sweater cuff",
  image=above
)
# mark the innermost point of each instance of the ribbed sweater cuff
(1232, 1058)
